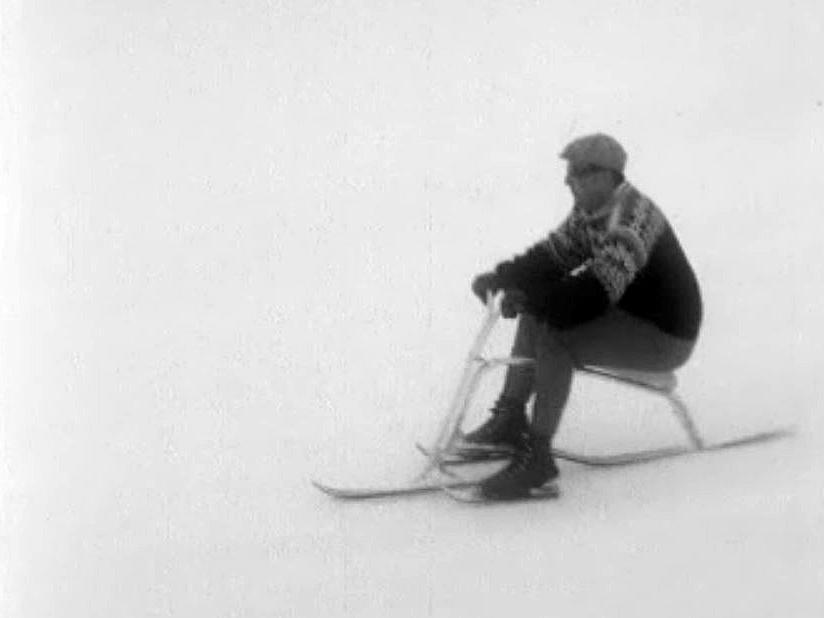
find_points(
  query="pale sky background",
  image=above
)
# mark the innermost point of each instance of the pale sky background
(236, 243)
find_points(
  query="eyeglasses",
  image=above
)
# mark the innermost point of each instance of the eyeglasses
(585, 170)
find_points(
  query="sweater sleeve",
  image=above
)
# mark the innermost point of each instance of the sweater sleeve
(572, 300)
(548, 260)
(633, 229)
(618, 255)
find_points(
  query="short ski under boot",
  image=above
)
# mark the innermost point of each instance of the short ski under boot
(530, 467)
(505, 427)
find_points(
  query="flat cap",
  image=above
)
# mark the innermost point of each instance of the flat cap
(597, 149)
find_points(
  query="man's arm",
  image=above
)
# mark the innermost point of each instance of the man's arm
(548, 260)
(616, 260)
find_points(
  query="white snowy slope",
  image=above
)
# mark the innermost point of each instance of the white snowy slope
(236, 247)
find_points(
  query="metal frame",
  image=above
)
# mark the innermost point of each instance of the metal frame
(477, 366)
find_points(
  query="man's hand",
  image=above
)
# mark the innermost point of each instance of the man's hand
(513, 303)
(484, 284)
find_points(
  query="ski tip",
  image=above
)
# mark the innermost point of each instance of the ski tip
(783, 432)
(761, 436)
(345, 493)
(323, 487)
(338, 492)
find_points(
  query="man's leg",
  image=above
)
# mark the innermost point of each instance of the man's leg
(619, 340)
(519, 382)
(554, 368)
(508, 421)
(531, 463)
(616, 340)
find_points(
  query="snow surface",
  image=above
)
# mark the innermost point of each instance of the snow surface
(237, 241)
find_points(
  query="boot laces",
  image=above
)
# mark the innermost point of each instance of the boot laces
(522, 457)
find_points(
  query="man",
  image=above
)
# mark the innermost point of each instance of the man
(609, 287)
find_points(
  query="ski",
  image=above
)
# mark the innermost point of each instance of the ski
(648, 455)
(468, 455)
(466, 490)
(472, 495)
(392, 491)
(464, 455)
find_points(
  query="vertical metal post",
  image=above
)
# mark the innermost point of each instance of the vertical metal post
(466, 387)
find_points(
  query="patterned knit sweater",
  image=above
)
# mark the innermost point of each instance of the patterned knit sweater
(626, 255)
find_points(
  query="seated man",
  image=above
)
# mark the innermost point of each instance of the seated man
(610, 287)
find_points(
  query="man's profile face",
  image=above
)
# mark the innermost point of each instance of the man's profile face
(590, 185)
